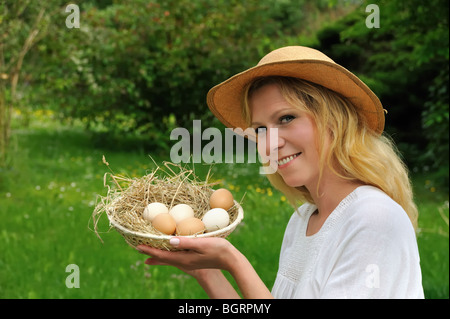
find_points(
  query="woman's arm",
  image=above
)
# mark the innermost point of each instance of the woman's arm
(215, 284)
(250, 285)
(203, 258)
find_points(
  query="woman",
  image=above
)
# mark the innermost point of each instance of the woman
(353, 236)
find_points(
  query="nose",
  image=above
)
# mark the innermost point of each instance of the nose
(269, 143)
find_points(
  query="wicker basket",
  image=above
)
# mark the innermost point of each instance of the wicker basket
(171, 185)
(134, 238)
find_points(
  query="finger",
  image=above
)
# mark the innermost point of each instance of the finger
(155, 262)
(199, 245)
(186, 243)
(162, 257)
(151, 251)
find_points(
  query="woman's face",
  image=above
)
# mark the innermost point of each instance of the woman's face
(295, 148)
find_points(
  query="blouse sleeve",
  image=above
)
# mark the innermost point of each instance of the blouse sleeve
(373, 255)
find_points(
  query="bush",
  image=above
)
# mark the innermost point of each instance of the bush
(405, 62)
(142, 68)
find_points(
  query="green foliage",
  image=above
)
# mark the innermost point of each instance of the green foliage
(405, 62)
(22, 25)
(435, 123)
(143, 68)
(135, 66)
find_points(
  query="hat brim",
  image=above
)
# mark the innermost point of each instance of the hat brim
(225, 99)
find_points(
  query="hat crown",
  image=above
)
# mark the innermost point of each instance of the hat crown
(293, 53)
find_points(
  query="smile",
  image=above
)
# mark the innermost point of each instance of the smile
(287, 159)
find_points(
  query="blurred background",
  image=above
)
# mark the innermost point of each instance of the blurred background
(117, 79)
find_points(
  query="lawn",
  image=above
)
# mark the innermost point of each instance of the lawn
(48, 193)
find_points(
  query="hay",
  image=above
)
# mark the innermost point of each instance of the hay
(171, 184)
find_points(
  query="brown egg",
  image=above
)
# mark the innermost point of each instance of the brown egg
(190, 226)
(221, 198)
(165, 223)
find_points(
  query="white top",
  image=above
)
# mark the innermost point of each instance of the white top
(365, 249)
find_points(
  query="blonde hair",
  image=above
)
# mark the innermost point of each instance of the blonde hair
(356, 152)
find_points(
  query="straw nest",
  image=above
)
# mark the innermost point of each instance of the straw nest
(171, 185)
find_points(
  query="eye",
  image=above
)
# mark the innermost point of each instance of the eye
(286, 118)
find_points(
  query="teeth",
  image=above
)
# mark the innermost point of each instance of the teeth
(287, 159)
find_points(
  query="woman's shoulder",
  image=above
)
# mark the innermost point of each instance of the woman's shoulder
(372, 209)
(373, 199)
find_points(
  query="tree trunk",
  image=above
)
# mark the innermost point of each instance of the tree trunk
(5, 127)
(5, 114)
(13, 77)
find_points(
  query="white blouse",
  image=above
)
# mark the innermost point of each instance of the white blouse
(366, 248)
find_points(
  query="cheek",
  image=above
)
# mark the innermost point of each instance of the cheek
(306, 132)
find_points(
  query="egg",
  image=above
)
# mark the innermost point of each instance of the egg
(221, 198)
(215, 219)
(153, 209)
(181, 211)
(190, 226)
(164, 223)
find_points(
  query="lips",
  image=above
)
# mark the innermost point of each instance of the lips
(287, 159)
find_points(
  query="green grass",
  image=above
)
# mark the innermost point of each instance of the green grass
(49, 191)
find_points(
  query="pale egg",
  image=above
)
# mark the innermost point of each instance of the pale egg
(216, 218)
(181, 211)
(190, 226)
(164, 223)
(154, 209)
(221, 198)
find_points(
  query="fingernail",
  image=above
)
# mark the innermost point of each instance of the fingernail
(174, 241)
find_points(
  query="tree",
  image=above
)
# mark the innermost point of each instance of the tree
(142, 67)
(22, 24)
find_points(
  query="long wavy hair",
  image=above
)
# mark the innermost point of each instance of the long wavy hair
(356, 152)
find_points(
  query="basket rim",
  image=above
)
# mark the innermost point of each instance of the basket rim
(215, 233)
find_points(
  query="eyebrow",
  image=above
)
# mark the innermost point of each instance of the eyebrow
(273, 116)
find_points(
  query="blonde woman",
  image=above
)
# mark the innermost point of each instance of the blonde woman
(353, 235)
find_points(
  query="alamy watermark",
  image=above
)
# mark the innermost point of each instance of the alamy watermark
(73, 279)
(73, 19)
(373, 19)
(373, 277)
(228, 149)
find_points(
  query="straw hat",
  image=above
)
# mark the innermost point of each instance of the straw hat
(225, 99)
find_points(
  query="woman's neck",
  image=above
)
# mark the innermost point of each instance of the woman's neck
(327, 199)
(332, 190)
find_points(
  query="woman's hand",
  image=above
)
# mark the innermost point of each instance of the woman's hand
(203, 258)
(196, 253)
